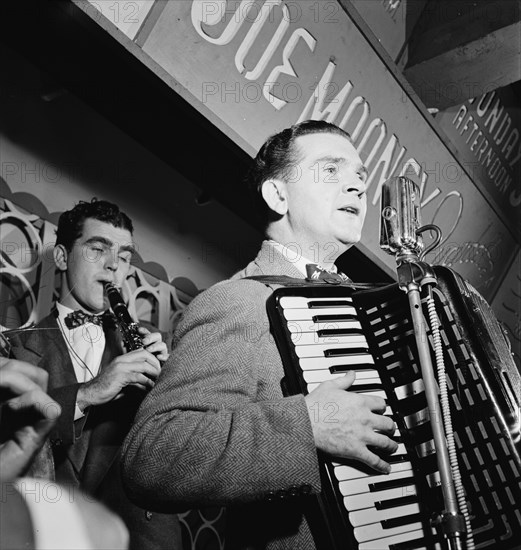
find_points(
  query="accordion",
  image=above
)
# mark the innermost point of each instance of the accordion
(323, 331)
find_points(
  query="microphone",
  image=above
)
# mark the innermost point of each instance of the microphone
(400, 234)
(400, 219)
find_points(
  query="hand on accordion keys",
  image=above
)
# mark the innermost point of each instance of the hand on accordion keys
(350, 425)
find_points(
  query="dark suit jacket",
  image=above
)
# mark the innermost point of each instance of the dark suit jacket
(216, 430)
(86, 452)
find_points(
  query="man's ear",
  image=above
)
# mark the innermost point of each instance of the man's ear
(274, 192)
(60, 255)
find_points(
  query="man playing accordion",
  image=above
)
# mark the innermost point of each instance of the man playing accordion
(216, 428)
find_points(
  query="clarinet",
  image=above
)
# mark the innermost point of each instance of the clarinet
(127, 326)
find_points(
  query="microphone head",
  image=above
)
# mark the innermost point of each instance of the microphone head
(400, 217)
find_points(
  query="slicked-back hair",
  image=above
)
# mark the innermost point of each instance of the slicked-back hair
(277, 159)
(70, 224)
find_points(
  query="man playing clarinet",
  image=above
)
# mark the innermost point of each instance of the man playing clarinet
(216, 428)
(95, 380)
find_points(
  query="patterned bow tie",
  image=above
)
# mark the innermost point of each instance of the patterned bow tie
(316, 273)
(78, 318)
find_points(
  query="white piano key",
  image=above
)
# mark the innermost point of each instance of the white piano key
(385, 544)
(298, 326)
(317, 376)
(305, 314)
(364, 517)
(344, 472)
(367, 500)
(364, 381)
(337, 464)
(319, 349)
(375, 531)
(401, 450)
(355, 385)
(293, 302)
(313, 339)
(315, 363)
(361, 485)
(362, 377)
(337, 325)
(365, 375)
(377, 393)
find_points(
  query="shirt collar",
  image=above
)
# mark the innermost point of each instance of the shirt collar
(293, 256)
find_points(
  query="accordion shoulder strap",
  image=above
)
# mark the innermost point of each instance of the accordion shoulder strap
(284, 280)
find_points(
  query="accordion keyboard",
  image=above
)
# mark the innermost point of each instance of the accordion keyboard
(328, 341)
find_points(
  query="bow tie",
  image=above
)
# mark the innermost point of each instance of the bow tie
(78, 318)
(316, 273)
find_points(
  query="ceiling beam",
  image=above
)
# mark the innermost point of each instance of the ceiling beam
(462, 49)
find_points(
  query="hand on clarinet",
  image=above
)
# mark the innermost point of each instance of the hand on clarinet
(138, 368)
(153, 342)
(352, 425)
(28, 414)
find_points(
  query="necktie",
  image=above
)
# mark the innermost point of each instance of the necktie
(78, 318)
(316, 273)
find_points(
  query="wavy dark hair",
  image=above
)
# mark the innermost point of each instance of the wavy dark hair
(70, 224)
(278, 157)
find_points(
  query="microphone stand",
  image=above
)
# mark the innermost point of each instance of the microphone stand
(412, 275)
